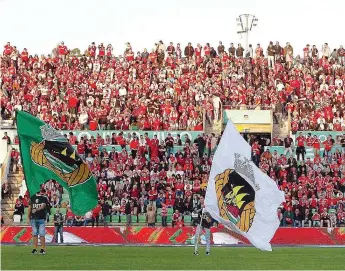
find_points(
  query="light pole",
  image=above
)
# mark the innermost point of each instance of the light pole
(246, 22)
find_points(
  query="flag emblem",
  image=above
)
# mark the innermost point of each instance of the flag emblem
(239, 195)
(47, 155)
(57, 155)
(236, 199)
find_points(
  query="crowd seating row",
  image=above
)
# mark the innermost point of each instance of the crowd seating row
(166, 89)
(130, 182)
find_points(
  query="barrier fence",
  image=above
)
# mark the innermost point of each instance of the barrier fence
(309, 150)
(161, 135)
(174, 236)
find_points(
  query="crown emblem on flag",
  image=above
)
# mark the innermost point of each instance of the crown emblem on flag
(49, 133)
(245, 168)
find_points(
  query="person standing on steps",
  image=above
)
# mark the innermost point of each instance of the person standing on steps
(37, 214)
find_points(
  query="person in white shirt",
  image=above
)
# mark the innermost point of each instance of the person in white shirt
(250, 51)
(161, 46)
(280, 85)
(169, 90)
(326, 51)
(90, 101)
(323, 86)
(337, 119)
(171, 172)
(338, 81)
(122, 91)
(110, 173)
(87, 218)
(83, 119)
(216, 106)
(96, 67)
(89, 159)
(321, 121)
(199, 96)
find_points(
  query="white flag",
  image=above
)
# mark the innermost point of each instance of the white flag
(241, 196)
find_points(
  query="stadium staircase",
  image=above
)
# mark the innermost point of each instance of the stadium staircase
(282, 128)
(215, 127)
(8, 203)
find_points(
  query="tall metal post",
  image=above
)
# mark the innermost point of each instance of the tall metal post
(247, 34)
(246, 22)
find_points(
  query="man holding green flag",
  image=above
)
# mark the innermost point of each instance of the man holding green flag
(46, 155)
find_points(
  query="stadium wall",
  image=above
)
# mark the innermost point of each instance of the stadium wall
(161, 135)
(309, 150)
(250, 121)
(174, 236)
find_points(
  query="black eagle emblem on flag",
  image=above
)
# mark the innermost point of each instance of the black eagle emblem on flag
(236, 199)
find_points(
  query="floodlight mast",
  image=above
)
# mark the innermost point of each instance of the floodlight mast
(246, 22)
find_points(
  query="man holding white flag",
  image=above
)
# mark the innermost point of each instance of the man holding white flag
(239, 195)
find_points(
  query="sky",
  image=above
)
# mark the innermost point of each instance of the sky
(40, 25)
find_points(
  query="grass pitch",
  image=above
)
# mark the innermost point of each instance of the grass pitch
(170, 258)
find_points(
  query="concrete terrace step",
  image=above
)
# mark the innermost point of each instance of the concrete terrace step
(7, 206)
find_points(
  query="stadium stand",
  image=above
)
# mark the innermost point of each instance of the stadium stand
(170, 89)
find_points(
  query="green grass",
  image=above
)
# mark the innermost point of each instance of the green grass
(170, 258)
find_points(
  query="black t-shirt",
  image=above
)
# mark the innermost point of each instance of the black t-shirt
(19, 208)
(36, 202)
(287, 142)
(342, 142)
(58, 219)
(206, 221)
(106, 209)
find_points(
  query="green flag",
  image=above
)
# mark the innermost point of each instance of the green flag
(47, 155)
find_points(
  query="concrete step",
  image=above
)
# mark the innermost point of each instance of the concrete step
(15, 189)
(7, 212)
(16, 174)
(11, 200)
(16, 178)
(8, 221)
(7, 206)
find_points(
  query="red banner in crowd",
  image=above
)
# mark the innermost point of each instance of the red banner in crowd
(174, 236)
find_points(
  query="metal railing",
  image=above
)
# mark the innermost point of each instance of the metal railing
(204, 120)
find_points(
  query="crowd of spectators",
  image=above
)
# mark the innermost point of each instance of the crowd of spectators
(170, 88)
(314, 188)
(149, 183)
(145, 176)
(152, 175)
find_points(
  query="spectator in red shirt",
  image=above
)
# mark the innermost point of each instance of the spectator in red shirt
(70, 217)
(72, 139)
(300, 150)
(316, 145)
(179, 223)
(164, 214)
(325, 221)
(328, 144)
(134, 145)
(95, 215)
(81, 148)
(256, 152)
(175, 217)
